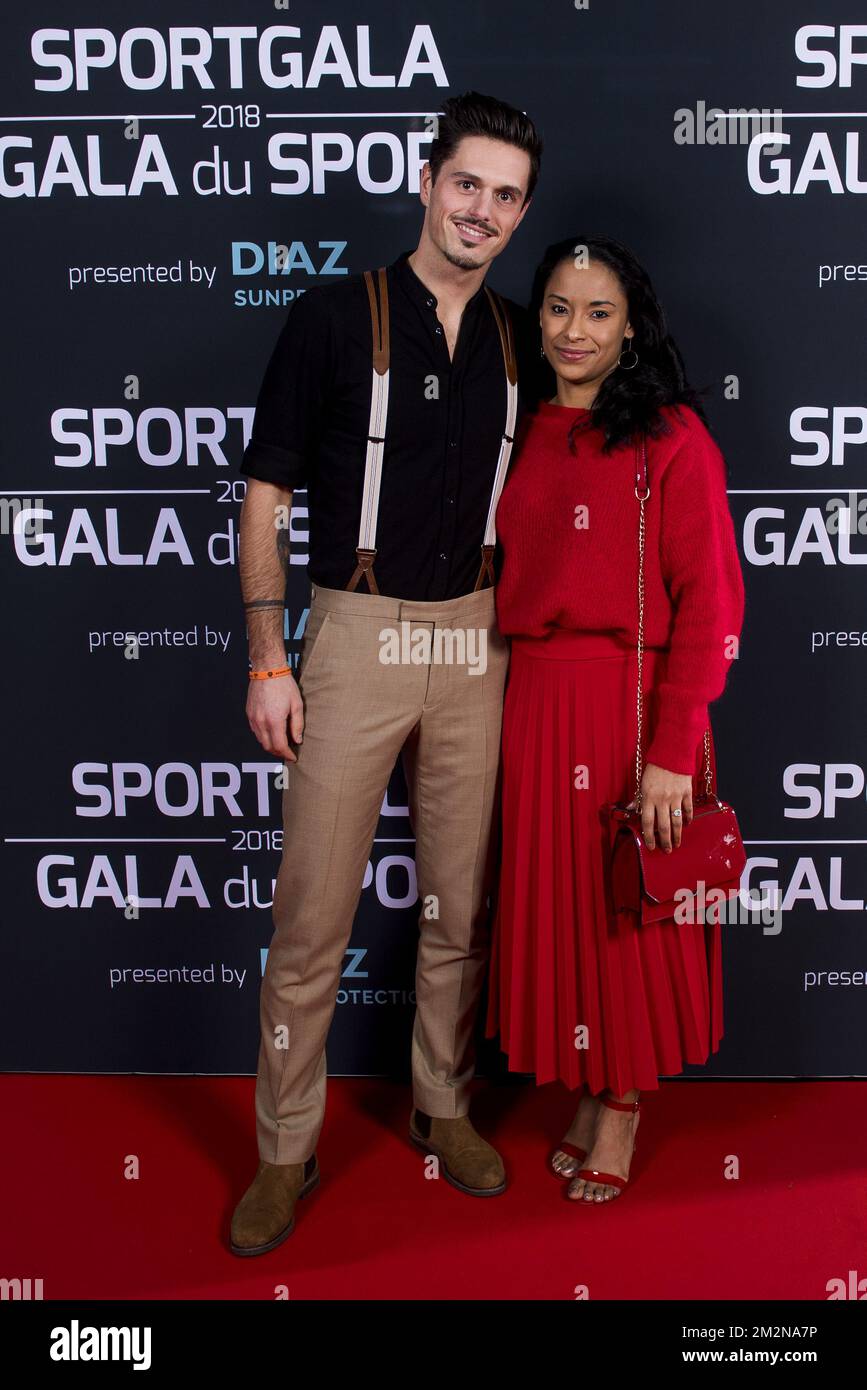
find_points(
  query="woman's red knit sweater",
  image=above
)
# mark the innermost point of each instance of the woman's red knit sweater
(568, 524)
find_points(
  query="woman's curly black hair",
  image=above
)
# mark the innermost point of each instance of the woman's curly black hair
(628, 401)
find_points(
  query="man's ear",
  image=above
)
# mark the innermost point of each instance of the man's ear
(425, 182)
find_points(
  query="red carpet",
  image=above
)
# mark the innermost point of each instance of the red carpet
(377, 1229)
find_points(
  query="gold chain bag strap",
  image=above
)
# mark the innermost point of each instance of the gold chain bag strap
(711, 854)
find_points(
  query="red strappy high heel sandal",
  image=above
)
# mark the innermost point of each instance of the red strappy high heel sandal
(594, 1174)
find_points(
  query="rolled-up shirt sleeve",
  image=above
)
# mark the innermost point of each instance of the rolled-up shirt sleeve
(282, 443)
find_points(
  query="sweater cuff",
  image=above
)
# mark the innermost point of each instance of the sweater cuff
(675, 743)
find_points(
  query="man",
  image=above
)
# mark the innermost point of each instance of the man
(392, 397)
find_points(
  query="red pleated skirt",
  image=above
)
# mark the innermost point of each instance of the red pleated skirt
(649, 997)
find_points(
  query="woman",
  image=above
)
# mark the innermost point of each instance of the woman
(582, 993)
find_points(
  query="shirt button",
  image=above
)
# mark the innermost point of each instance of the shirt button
(451, 499)
(429, 303)
(442, 556)
(453, 443)
(438, 330)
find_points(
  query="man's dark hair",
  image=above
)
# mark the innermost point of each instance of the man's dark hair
(476, 114)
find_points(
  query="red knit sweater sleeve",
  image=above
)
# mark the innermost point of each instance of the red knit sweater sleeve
(702, 573)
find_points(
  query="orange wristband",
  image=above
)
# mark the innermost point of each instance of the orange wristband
(267, 675)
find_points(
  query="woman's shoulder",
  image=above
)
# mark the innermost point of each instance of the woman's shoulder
(682, 423)
(541, 423)
(685, 436)
(687, 455)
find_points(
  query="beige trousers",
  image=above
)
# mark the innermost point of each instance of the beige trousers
(443, 715)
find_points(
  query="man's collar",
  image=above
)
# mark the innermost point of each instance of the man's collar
(416, 288)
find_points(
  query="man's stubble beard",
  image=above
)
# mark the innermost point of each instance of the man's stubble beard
(462, 262)
(459, 260)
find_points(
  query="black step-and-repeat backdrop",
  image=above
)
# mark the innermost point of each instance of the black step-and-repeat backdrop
(155, 160)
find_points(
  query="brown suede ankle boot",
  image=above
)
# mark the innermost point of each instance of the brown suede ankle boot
(265, 1215)
(468, 1161)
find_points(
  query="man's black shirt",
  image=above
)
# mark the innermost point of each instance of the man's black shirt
(445, 422)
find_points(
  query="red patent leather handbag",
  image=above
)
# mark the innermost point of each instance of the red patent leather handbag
(711, 852)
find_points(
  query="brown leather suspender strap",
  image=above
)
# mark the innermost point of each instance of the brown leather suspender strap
(504, 324)
(379, 323)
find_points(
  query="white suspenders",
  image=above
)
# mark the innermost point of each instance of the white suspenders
(366, 548)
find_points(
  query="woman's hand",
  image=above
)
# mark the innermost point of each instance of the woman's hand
(662, 793)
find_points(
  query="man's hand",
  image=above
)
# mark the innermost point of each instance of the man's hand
(271, 706)
(661, 793)
(263, 560)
